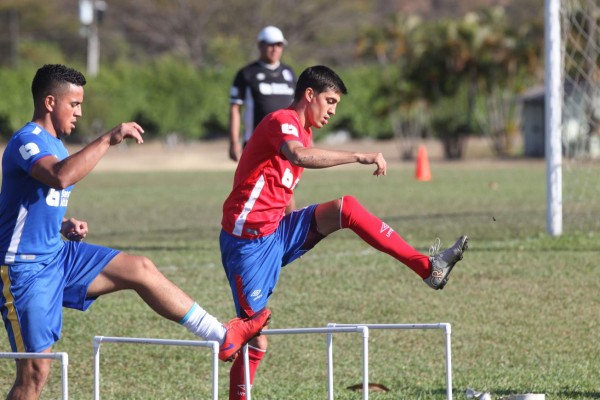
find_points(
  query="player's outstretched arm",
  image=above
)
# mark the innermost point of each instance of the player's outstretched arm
(312, 157)
(61, 174)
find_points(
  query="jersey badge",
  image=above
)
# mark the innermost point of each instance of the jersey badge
(289, 129)
(29, 150)
(287, 75)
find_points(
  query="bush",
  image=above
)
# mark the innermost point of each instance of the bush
(16, 106)
(6, 129)
(170, 95)
(358, 113)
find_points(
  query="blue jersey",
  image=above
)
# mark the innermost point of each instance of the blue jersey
(31, 212)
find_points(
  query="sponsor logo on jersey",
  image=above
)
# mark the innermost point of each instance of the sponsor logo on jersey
(58, 198)
(269, 89)
(287, 179)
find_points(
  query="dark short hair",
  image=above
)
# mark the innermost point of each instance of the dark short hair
(50, 77)
(320, 78)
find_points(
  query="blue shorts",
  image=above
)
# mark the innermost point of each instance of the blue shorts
(252, 266)
(33, 294)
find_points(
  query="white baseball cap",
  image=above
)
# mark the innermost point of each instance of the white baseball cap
(271, 34)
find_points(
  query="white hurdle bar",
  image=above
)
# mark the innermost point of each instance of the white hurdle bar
(64, 362)
(329, 331)
(167, 342)
(442, 325)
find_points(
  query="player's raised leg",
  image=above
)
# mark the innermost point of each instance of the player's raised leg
(164, 297)
(347, 212)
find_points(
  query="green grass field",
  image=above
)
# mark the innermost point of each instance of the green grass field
(523, 306)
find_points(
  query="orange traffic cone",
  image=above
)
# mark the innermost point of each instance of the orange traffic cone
(422, 172)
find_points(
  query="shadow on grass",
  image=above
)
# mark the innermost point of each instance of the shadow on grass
(575, 394)
(461, 215)
(563, 394)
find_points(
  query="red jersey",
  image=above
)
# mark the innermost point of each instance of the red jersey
(264, 180)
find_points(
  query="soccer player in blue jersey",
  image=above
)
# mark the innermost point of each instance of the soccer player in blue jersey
(40, 272)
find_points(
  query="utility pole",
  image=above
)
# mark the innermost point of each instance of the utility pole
(90, 15)
(9, 37)
(13, 28)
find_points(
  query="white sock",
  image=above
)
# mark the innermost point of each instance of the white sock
(201, 323)
(257, 349)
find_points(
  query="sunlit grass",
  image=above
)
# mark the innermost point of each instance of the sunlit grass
(523, 306)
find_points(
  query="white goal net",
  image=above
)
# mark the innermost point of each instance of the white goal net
(580, 119)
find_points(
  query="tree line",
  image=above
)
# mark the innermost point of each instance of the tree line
(437, 70)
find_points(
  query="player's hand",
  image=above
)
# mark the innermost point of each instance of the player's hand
(126, 130)
(235, 151)
(377, 159)
(74, 229)
(381, 165)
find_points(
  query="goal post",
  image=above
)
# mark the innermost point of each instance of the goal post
(553, 117)
(572, 115)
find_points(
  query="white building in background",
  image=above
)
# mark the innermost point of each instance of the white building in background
(580, 128)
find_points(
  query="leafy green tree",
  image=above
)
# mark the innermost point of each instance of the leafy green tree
(445, 65)
(397, 99)
(16, 106)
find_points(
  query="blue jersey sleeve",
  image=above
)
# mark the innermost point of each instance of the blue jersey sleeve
(27, 149)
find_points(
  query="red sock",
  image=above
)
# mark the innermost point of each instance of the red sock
(381, 236)
(237, 388)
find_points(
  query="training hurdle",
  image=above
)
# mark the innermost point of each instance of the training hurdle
(165, 342)
(64, 362)
(364, 330)
(442, 325)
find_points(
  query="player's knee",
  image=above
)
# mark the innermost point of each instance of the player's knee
(347, 205)
(141, 270)
(348, 202)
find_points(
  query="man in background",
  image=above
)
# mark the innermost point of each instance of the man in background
(261, 87)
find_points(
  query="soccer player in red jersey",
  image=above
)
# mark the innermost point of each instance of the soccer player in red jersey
(258, 239)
